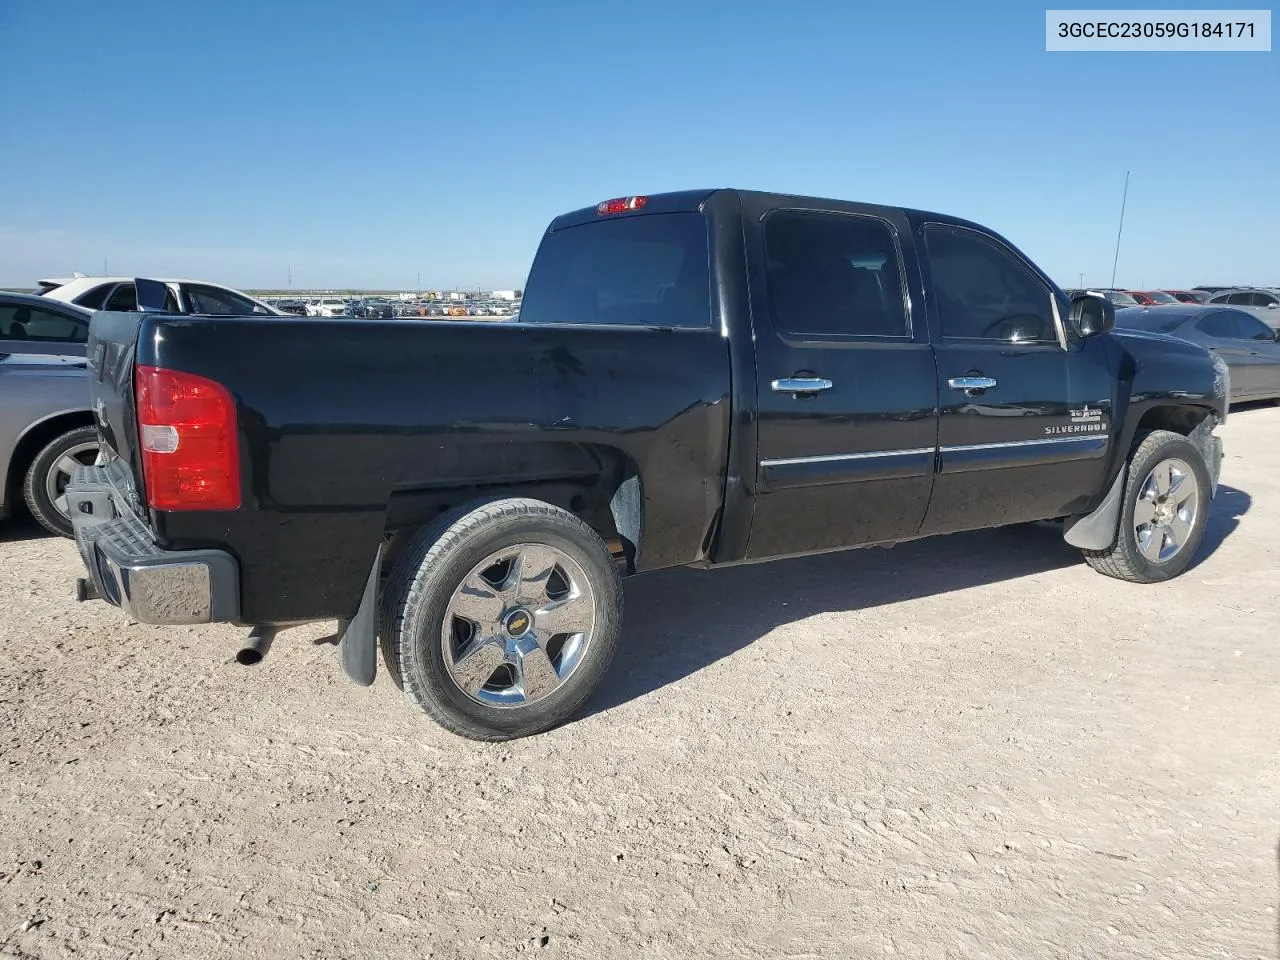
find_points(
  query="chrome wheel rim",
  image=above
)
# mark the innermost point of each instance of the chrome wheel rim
(518, 625)
(1165, 513)
(59, 475)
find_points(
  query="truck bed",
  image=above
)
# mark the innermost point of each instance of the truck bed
(352, 428)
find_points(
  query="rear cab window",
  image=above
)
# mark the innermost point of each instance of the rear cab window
(834, 275)
(649, 270)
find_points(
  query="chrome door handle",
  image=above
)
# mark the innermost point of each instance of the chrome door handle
(800, 385)
(971, 383)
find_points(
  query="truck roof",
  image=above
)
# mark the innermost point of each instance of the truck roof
(681, 201)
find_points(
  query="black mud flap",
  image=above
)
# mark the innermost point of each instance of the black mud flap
(1097, 530)
(358, 637)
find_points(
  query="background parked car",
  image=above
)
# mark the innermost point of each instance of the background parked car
(185, 296)
(46, 426)
(1262, 303)
(1188, 296)
(373, 308)
(1248, 345)
(296, 308)
(329, 307)
(1118, 297)
(1151, 298)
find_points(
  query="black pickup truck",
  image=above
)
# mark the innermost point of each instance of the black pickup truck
(696, 378)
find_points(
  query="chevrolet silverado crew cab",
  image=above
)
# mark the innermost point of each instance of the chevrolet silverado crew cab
(697, 378)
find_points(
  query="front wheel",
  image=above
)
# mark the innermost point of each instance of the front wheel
(1165, 512)
(501, 619)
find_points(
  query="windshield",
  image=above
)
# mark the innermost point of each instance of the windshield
(1120, 299)
(1153, 321)
(1159, 296)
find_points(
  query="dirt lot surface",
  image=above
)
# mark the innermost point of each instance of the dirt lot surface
(965, 747)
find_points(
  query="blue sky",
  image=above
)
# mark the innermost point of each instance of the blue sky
(361, 144)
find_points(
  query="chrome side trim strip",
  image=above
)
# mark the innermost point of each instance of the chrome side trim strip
(836, 457)
(1087, 438)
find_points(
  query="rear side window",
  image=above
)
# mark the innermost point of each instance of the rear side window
(216, 302)
(95, 298)
(42, 326)
(123, 298)
(832, 274)
(648, 271)
(1221, 325)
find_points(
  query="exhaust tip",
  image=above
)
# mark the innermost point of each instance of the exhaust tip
(256, 647)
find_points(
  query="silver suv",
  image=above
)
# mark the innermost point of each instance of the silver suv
(1262, 302)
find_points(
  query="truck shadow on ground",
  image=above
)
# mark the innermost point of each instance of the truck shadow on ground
(681, 621)
(21, 527)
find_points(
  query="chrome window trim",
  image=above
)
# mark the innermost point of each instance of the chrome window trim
(1096, 435)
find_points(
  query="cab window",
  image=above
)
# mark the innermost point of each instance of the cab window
(983, 292)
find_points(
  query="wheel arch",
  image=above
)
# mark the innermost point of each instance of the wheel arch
(33, 439)
(1098, 529)
(604, 488)
(1181, 418)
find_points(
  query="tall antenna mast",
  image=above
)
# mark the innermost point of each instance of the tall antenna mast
(1123, 200)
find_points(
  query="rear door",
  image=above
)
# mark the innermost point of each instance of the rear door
(1025, 411)
(1223, 333)
(845, 384)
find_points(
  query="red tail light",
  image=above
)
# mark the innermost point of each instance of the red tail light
(620, 205)
(190, 452)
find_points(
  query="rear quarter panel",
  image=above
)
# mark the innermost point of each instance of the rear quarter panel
(34, 389)
(338, 419)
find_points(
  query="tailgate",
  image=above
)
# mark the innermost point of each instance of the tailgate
(113, 340)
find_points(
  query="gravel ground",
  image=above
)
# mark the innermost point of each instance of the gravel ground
(966, 747)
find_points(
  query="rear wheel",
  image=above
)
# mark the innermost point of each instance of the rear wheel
(1166, 509)
(501, 619)
(46, 481)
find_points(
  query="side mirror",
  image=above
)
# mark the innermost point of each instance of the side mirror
(1092, 314)
(151, 295)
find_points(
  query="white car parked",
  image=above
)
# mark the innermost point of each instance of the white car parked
(328, 307)
(185, 296)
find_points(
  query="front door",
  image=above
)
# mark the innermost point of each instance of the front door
(1264, 356)
(1025, 424)
(846, 389)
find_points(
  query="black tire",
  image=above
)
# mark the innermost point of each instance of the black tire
(1124, 560)
(433, 565)
(44, 475)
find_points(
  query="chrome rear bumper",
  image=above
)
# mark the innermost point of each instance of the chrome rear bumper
(128, 569)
